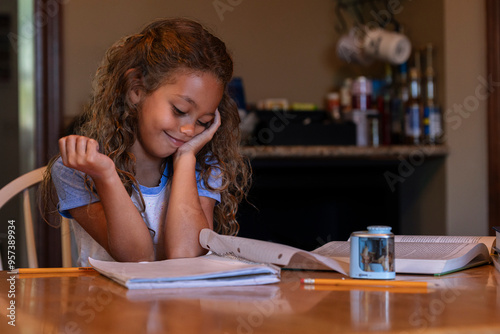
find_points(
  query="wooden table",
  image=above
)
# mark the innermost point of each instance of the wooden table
(467, 302)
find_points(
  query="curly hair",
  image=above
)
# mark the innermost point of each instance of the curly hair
(148, 60)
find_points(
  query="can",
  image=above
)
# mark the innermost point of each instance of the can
(372, 253)
(333, 106)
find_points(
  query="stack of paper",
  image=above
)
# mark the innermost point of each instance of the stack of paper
(204, 271)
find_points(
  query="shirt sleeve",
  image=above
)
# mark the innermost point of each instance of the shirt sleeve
(215, 181)
(71, 189)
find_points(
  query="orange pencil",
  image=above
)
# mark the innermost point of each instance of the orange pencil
(365, 282)
(53, 270)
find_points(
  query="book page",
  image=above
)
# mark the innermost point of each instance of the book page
(431, 251)
(338, 249)
(404, 250)
(441, 239)
(249, 249)
(268, 252)
(439, 258)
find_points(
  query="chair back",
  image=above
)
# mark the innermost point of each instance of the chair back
(22, 184)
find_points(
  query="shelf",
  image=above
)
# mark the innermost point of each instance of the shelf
(392, 153)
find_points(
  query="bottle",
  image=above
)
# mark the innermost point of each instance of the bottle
(333, 106)
(385, 107)
(398, 104)
(361, 93)
(346, 100)
(414, 106)
(399, 100)
(432, 124)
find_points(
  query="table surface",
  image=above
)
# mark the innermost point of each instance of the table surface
(466, 302)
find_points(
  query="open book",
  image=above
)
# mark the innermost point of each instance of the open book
(437, 255)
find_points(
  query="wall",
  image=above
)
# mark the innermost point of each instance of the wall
(466, 166)
(281, 49)
(285, 48)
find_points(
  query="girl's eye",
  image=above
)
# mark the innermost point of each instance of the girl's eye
(177, 111)
(205, 125)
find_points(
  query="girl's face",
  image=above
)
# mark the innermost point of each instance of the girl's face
(175, 113)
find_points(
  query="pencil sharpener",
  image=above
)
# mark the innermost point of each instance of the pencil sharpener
(372, 253)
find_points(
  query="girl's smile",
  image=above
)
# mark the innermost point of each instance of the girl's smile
(175, 141)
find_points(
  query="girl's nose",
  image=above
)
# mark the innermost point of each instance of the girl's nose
(187, 129)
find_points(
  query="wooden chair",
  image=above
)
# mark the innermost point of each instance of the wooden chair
(22, 185)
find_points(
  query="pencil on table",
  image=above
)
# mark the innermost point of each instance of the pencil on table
(392, 289)
(363, 282)
(53, 270)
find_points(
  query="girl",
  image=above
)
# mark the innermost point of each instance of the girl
(156, 159)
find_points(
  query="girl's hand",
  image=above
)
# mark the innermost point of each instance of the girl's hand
(197, 142)
(82, 153)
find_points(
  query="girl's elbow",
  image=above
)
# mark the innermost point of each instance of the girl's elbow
(179, 253)
(133, 258)
(145, 256)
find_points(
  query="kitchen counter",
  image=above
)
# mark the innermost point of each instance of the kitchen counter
(344, 152)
